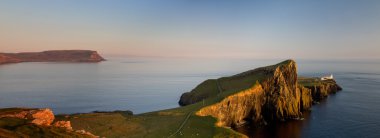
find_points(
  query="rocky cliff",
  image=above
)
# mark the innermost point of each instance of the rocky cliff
(52, 56)
(25, 122)
(274, 94)
(238, 108)
(319, 88)
(306, 97)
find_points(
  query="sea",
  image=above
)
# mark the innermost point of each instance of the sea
(149, 84)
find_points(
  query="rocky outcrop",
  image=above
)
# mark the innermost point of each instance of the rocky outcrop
(25, 122)
(239, 108)
(280, 88)
(306, 97)
(41, 117)
(52, 56)
(276, 95)
(35, 116)
(63, 124)
(322, 90)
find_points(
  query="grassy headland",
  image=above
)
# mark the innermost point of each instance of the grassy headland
(261, 95)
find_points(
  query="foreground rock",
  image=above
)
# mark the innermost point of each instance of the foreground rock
(52, 56)
(25, 122)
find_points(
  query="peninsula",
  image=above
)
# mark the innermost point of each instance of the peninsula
(214, 108)
(52, 56)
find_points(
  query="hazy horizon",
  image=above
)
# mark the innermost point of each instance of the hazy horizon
(340, 29)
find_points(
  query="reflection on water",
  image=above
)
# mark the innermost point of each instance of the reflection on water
(289, 129)
(281, 129)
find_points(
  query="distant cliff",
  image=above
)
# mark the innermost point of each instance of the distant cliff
(52, 56)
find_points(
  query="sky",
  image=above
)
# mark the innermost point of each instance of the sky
(302, 29)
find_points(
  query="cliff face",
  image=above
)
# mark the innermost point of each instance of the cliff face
(306, 97)
(275, 95)
(236, 109)
(23, 122)
(52, 56)
(319, 92)
(282, 98)
(319, 88)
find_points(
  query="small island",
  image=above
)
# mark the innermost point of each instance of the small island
(214, 108)
(52, 56)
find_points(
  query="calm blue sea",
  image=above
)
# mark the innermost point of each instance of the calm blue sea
(145, 84)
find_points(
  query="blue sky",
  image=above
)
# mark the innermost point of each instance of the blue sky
(320, 29)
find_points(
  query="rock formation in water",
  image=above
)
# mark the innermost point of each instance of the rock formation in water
(25, 122)
(52, 56)
(276, 95)
(322, 90)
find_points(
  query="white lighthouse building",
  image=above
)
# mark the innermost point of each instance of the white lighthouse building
(328, 77)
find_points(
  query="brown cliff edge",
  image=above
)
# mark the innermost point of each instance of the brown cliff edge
(266, 94)
(52, 56)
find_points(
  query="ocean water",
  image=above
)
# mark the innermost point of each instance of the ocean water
(145, 84)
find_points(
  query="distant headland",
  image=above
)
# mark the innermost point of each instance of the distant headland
(52, 56)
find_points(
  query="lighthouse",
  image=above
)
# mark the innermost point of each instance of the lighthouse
(328, 77)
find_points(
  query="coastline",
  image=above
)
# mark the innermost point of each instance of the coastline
(170, 117)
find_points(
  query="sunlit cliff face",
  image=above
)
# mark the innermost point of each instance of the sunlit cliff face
(277, 97)
(237, 108)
